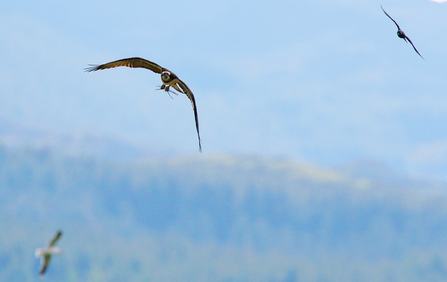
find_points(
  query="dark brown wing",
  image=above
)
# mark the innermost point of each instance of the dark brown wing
(390, 17)
(188, 93)
(414, 47)
(55, 239)
(134, 62)
(44, 264)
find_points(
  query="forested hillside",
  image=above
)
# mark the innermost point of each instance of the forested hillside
(222, 218)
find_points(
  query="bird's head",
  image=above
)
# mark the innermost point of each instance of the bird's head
(166, 76)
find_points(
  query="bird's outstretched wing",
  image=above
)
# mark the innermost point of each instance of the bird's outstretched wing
(390, 17)
(55, 239)
(188, 93)
(137, 62)
(134, 62)
(414, 47)
(45, 261)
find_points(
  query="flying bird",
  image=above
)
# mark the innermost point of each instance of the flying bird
(401, 33)
(47, 252)
(167, 77)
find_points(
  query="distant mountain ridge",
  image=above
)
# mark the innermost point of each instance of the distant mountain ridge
(198, 215)
(15, 136)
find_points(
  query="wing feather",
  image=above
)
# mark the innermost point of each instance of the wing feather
(414, 47)
(44, 264)
(390, 18)
(188, 93)
(134, 62)
(55, 239)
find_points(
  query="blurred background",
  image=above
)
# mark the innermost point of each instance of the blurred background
(324, 141)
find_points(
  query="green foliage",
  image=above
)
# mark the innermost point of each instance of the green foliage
(215, 219)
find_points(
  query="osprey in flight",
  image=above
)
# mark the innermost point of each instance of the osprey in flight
(167, 77)
(47, 252)
(401, 33)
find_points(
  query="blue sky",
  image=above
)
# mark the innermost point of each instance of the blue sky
(323, 82)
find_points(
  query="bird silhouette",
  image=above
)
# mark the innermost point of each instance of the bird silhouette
(47, 252)
(401, 33)
(167, 77)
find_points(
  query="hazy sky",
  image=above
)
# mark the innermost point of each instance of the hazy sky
(325, 82)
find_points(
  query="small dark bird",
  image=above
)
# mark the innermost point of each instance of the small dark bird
(47, 252)
(167, 77)
(401, 33)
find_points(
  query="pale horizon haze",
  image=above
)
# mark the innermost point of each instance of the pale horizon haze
(320, 82)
